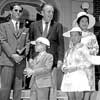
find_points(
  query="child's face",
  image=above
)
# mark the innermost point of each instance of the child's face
(75, 37)
(40, 47)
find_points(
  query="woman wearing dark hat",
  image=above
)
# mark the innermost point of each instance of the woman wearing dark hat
(85, 22)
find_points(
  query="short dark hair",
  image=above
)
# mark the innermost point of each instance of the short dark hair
(78, 21)
(15, 4)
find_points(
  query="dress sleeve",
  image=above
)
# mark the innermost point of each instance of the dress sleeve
(89, 59)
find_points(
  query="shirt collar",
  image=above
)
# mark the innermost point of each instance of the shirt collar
(14, 21)
(41, 53)
(43, 21)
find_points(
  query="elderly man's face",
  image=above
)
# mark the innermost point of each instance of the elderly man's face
(16, 12)
(48, 13)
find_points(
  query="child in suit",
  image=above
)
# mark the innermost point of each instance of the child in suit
(40, 69)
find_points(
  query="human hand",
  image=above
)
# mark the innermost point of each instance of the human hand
(28, 72)
(59, 64)
(17, 58)
(69, 70)
(65, 70)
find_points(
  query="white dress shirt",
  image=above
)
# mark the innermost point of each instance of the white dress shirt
(14, 23)
(44, 25)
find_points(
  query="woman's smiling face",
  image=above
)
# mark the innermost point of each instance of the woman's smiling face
(83, 24)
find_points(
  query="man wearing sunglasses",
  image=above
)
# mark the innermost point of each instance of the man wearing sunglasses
(13, 38)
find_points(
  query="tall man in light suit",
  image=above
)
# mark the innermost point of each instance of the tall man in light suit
(53, 31)
(13, 37)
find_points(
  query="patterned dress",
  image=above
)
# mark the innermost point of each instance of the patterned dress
(89, 39)
(77, 79)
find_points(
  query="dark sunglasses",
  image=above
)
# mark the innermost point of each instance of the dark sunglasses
(16, 10)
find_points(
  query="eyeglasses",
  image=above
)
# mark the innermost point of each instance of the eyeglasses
(16, 10)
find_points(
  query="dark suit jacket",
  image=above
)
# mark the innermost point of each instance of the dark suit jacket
(54, 35)
(42, 69)
(10, 42)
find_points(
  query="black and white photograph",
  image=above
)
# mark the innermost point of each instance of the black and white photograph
(49, 50)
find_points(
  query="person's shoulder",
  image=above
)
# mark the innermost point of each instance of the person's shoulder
(49, 55)
(88, 37)
(39, 21)
(91, 36)
(5, 23)
(59, 24)
(91, 33)
(36, 22)
(56, 23)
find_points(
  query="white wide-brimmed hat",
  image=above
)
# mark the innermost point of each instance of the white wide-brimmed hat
(74, 29)
(91, 19)
(41, 40)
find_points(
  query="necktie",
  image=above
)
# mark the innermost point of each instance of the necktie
(16, 28)
(45, 30)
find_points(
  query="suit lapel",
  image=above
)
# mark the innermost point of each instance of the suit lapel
(15, 33)
(40, 27)
(38, 61)
(50, 30)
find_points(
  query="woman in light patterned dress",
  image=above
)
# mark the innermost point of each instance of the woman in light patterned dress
(77, 61)
(85, 22)
(75, 79)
